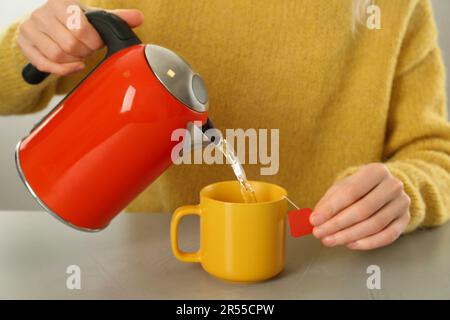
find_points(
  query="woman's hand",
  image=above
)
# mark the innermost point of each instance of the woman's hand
(51, 46)
(364, 211)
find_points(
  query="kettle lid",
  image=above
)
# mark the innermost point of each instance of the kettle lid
(177, 77)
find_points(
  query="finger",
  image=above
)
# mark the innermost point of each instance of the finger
(50, 25)
(349, 192)
(332, 190)
(387, 190)
(65, 39)
(134, 18)
(327, 194)
(373, 225)
(44, 64)
(383, 238)
(84, 32)
(324, 199)
(48, 47)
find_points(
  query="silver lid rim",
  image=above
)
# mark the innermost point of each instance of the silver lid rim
(168, 60)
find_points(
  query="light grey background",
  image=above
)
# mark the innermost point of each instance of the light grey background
(12, 194)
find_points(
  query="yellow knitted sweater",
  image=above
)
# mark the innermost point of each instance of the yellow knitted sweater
(340, 99)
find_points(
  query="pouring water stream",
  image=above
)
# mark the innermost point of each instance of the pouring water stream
(247, 191)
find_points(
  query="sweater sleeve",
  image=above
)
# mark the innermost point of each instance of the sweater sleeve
(17, 96)
(417, 145)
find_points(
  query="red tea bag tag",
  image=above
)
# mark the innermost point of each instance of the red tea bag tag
(299, 222)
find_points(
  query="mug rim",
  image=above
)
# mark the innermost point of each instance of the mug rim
(204, 189)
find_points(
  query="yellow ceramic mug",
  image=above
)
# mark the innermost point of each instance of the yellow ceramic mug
(238, 241)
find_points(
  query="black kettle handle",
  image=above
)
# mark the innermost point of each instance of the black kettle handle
(114, 31)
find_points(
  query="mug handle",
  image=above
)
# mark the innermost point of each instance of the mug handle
(176, 217)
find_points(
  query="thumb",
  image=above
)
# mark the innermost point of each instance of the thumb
(133, 17)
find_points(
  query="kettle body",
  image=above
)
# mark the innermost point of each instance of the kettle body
(108, 139)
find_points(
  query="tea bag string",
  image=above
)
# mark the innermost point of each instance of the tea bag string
(291, 202)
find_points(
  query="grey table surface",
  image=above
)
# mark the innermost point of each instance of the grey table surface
(132, 259)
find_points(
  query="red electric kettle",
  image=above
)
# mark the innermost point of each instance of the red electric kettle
(109, 138)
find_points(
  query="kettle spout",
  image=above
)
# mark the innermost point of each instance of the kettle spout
(210, 133)
(201, 136)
